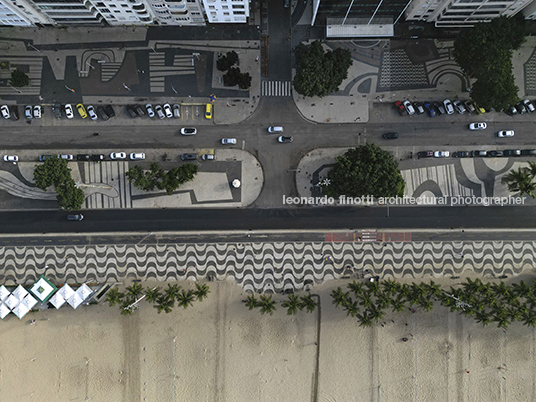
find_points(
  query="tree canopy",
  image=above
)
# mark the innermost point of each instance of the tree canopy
(19, 78)
(158, 178)
(320, 73)
(484, 52)
(522, 180)
(365, 170)
(225, 62)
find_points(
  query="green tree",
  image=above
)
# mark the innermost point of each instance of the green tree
(19, 78)
(69, 196)
(186, 298)
(251, 302)
(52, 172)
(245, 81)
(339, 297)
(164, 303)
(320, 73)
(365, 170)
(126, 309)
(114, 297)
(308, 303)
(225, 62)
(267, 305)
(292, 304)
(201, 291)
(520, 180)
(172, 291)
(152, 295)
(232, 77)
(134, 291)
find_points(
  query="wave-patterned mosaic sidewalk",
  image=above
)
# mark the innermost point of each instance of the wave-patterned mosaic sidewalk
(262, 267)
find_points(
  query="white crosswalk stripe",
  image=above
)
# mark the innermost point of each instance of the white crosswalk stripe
(276, 88)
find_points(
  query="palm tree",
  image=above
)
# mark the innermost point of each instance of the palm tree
(364, 319)
(529, 319)
(472, 286)
(398, 304)
(373, 287)
(520, 181)
(114, 297)
(251, 302)
(292, 304)
(482, 317)
(501, 290)
(186, 298)
(522, 289)
(339, 297)
(433, 289)
(172, 291)
(152, 295)
(134, 291)
(390, 287)
(125, 310)
(202, 291)
(308, 303)
(366, 300)
(501, 320)
(164, 303)
(356, 287)
(531, 170)
(375, 313)
(351, 308)
(383, 300)
(267, 305)
(426, 303)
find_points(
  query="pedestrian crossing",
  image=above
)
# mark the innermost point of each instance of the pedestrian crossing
(158, 70)
(276, 88)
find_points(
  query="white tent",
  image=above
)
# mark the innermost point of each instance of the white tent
(75, 300)
(4, 293)
(84, 291)
(21, 310)
(57, 300)
(66, 291)
(4, 310)
(29, 301)
(11, 302)
(20, 292)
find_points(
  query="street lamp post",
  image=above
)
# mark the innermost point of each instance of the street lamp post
(125, 85)
(89, 64)
(70, 89)
(173, 89)
(18, 90)
(33, 47)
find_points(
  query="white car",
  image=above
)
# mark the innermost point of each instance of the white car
(441, 154)
(67, 157)
(188, 131)
(28, 112)
(168, 111)
(69, 111)
(159, 111)
(448, 106)
(177, 111)
(228, 141)
(529, 106)
(505, 133)
(409, 107)
(37, 112)
(5, 112)
(118, 155)
(150, 111)
(137, 156)
(11, 158)
(91, 111)
(275, 129)
(478, 126)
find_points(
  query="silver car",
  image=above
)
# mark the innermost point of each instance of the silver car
(159, 111)
(168, 111)
(150, 111)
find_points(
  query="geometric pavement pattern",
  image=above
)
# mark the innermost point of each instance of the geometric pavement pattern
(398, 72)
(262, 267)
(530, 74)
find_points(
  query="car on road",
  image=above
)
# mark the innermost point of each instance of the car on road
(461, 154)
(159, 112)
(97, 158)
(505, 133)
(208, 111)
(448, 106)
(529, 106)
(188, 157)
(168, 111)
(439, 107)
(494, 154)
(139, 110)
(177, 111)
(390, 136)
(479, 110)
(91, 111)
(528, 152)
(118, 155)
(82, 157)
(478, 154)
(469, 106)
(75, 217)
(409, 107)
(102, 113)
(131, 111)
(28, 112)
(275, 129)
(208, 157)
(429, 109)
(441, 154)
(228, 141)
(14, 112)
(425, 154)
(419, 108)
(56, 109)
(459, 107)
(511, 110)
(69, 111)
(37, 112)
(400, 107)
(5, 112)
(512, 152)
(67, 157)
(109, 110)
(11, 158)
(283, 138)
(188, 131)
(150, 111)
(81, 110)
(478, 126)
(43, 158)
(137, 156)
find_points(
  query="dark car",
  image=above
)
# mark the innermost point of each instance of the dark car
(528, 152)
(425, 154)
(440, 108)
(81, 157)
(419, 108)
(511, 110)
(390, 136)
(429, 109)
(139, 110)
(75, 217)
(512, 152)
(109, 110)
(461, 154)
(132, 113)
(477, 154)
(97, 158)
(284, 138)
(400, 107)
(102, 113)
(14, 112)
(495, 154)
(189, 157)
(56, 108)
(521, 108)
(44, 157)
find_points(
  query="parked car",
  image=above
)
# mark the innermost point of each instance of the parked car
(75, 217)
(11, 158)
(479, 110)
(97, 158)
(284, 138)
(188, 157)
(441, 154)
(109, 110)
(478, 154)
(81, 110)
(425, 154)
(69, 111)
(159, 112)
(137, 156)
(429, 109)
(228, 141)
(177, 111)
(505, 133)
(275, 129)
(37, 112)
(168, 111)
(208, 111)
(6, 114)
(529, 106)
(461, 154)
(91, 111)
(521, 108)
(28, 112)
(469, 106)
(82, 157)
(14, 112)
(102, 113)
(459, 107)
(448, 106)
(43, 158)
(118, 155)
(512, 152)
(390, 136)
(478, 126)
(419, 108)
(439, 107)
(528, 152)
(67, 157)
(139, 110)
(208, 157)
(188, 131)
(400, 107)
(150, 111)
(494, 154)
(56, 108)
(409, 107)
(511, 110)
(131, 112)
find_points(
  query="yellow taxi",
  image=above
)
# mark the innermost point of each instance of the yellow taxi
(81, 110)
(208, 111)
(480, 110)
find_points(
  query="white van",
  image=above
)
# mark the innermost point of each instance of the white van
(275, 129)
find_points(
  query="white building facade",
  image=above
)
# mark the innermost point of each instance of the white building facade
(226, 11)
